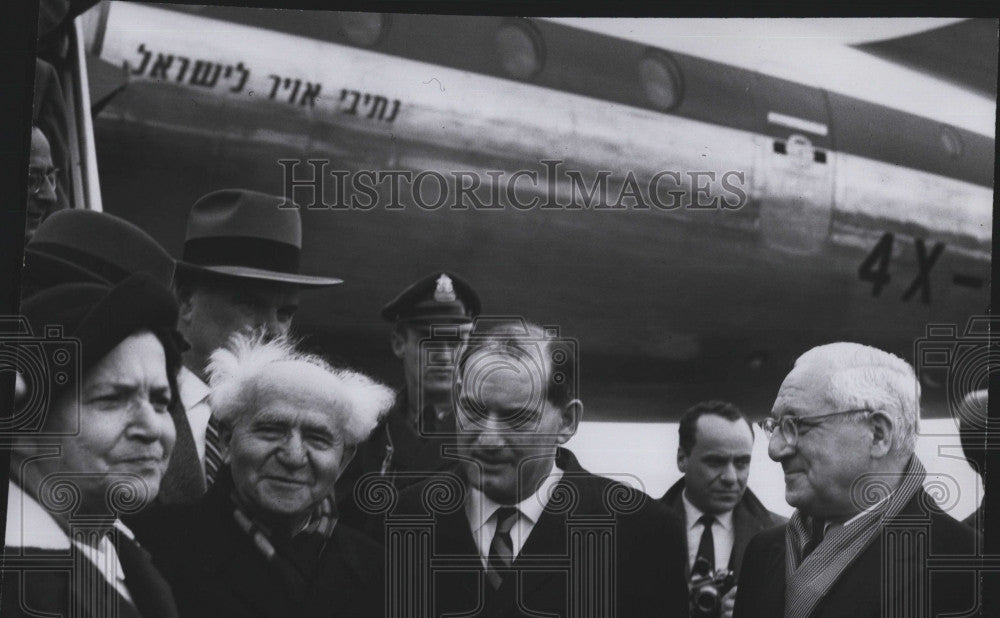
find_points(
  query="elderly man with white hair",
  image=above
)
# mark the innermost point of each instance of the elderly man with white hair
(864, 537)
(264, 541)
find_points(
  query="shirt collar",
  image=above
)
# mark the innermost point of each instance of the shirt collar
(693, 514)
(479, 507)
(192, 390)
(29, 524)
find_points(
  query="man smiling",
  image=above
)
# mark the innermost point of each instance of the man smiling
(843, 427)
(239, 272)
(264, 541)
(534, 533)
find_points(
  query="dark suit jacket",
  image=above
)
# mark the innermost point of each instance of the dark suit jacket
(414, 458)
(217, 571)
(749, 518)
(595, 538)
(65, 583)
(859, 591)
(184, 480)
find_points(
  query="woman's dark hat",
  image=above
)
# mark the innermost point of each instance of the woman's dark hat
(90, 246)
(246, 234)
(102, 316)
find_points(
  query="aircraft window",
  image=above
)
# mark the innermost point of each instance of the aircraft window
(819, 156)
(661, 79)
(364, 29)
(520, 48)
(780, 148)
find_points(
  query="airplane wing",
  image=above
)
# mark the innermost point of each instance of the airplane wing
(964, 53)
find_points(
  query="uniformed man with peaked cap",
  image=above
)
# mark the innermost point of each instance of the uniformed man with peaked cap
(431, 318)
(439, 306)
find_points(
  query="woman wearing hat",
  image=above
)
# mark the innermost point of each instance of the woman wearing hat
(93, 436)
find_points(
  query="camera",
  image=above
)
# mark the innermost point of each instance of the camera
(42, 365)
(707, 589)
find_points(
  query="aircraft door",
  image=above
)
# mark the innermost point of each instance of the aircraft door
(796, 182)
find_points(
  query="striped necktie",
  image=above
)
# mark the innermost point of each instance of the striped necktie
(502, 548)
(215, 452)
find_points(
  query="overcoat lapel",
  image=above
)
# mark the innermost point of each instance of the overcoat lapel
(774, 590)
(454, 542)
(150, 592)
(86, 587)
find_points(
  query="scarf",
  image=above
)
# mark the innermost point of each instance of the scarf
(807, 580)
(295, 556)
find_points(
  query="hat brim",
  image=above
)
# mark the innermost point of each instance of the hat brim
(244, 272)
(58, 270)
(436, 319)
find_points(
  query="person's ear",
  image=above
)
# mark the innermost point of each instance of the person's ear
(185, 305)
(569, 420)
(398, 341)
(881, 426)
(346, 457)
(225, 434)
(682, 460)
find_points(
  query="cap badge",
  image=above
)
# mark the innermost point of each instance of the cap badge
(445, 292)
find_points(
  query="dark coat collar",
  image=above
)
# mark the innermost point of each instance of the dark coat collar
(548, 536)
(749, 504)
(750, 516)
(231, 545)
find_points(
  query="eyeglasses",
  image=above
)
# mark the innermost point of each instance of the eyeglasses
(36, 178)
(789, 425)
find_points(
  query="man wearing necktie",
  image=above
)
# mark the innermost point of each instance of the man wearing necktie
(521, 529)
(239, 272)
(719, 512)
(866, 539)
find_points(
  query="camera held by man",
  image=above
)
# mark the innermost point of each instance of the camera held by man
(708, 587)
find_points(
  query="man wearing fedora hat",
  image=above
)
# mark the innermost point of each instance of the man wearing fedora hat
(239, 272)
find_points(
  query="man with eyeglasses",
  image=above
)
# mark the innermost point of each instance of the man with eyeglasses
(865, 535)
(41, 184)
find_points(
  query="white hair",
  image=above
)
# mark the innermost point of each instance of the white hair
(237, 379)
(863, 377)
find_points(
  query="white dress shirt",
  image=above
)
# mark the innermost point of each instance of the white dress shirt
(30, 525)
(481, 511)
(723, 534)
(194, 396)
